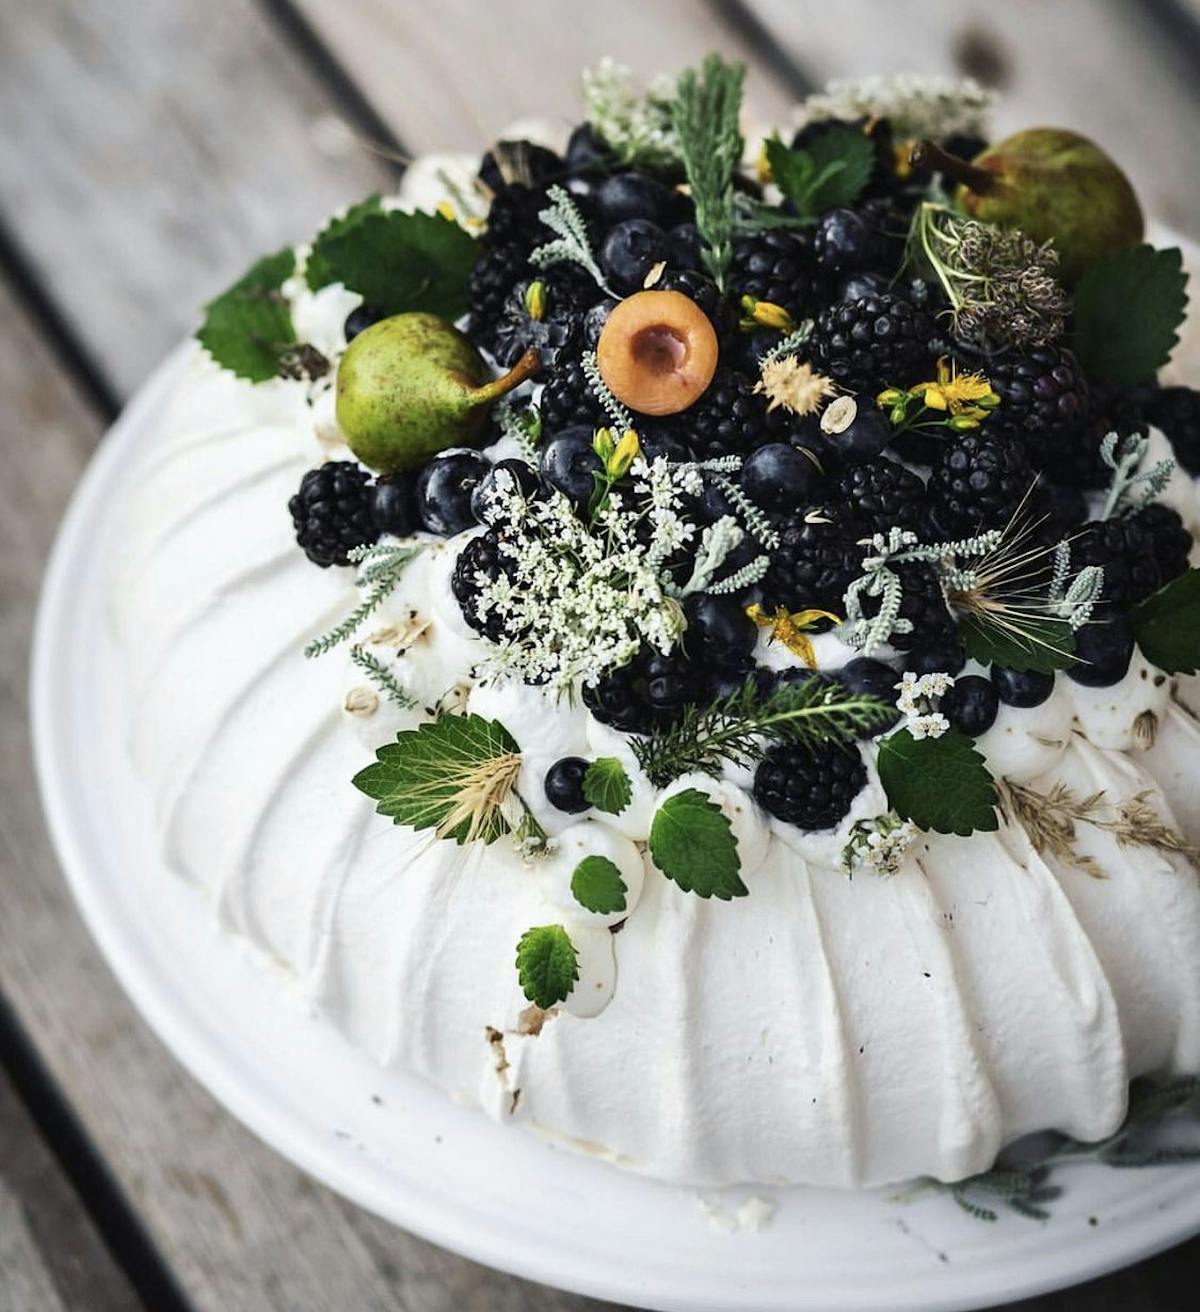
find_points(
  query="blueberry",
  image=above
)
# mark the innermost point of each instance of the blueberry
(718, 629)
(1022, 687)
(724, 680)
(1103, 650)
(595, 319)
(683, 247)
(526, 480)
(936, 660)
(586, 152)
(866, 677)
(359, 320)
(779, 476)
(842, 240)
(630, 251)
(623, 196)
(863, 439)
(394, 505)
(662, 442)
(518, 161)
(444, 490)
(568, 463)
(971, 705)
(564, 784)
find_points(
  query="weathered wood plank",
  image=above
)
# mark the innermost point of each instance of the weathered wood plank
(239, 1227)
(162, 147)
(50, 1253)
(456, 82)
(1098, 66)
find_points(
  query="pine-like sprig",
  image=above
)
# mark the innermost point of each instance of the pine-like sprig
(383, 679)
(705, 118)
(381, 568)
(742, 725)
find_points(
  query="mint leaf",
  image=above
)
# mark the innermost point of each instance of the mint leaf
(1127, 311)
(428, 777)
(831, 172)
(692, 843)
(401, 262)
(597, 885)
(1047, 645)
(318, 272)
(1167, 625)
(941, 784)
(547, 964)
(248, 328)
(606, 785)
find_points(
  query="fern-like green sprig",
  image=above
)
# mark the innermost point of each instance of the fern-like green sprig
(705, 118)
(742, 725)
(563, 217)
(382, 677)
(382, 567)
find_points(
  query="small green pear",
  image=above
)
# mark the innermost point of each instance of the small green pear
(1054, 185)
(413, 385)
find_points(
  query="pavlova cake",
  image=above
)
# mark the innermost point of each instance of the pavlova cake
(686, 640)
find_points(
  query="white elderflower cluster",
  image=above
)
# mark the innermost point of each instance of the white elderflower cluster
(915, 703)
(878, 844)
(635, 125)
(581, 598)
(915, 105)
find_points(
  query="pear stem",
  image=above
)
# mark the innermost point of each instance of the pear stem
(928, 154)
(526, 367)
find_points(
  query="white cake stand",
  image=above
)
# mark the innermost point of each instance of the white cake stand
(397, 1146)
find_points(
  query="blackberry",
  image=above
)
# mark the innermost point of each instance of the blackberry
(566, 293)
(493, 276)
(876, 496)
(872, 343)
(1056, 511)
(923, 604)
(1123, 547)
(518, 162)
(776, 266)
(513, 216)
(867, 239)
(978, 483)
(1176, 410)
(813, 566)
(729, 418)
(1074, 459)
(811, 788)
(1043, 397)
(567, 399)
(482, 555)
(1170, 542)
(332, 513)
(647, 694)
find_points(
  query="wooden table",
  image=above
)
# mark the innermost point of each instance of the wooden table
(151, 149)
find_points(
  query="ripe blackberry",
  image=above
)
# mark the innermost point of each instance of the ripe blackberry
(1170, 542)
(729, 418)
(567, 399)
(811, 788)
(1176, 410)
(1124, 548)
(978, 483)
(493, 276)
(513, 216)
(332, 513)
(1074, 458)
(872, 343)
(566, 293)
(776, 266)
(813, 566)
(1043, 397)
(481, 556)
(878, 495)
(647, 694)
(923, 604)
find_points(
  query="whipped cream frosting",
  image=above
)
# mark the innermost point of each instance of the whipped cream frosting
(823, 1029)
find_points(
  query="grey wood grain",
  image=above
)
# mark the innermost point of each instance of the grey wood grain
(239, 1227)
(162, 147)
(50, 1253)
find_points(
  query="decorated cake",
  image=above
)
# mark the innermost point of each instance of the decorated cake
(684, 636)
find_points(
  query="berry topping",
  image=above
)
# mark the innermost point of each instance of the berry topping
(810, 788)
(1103, 650)
(872, 343)
(971, 705)
(332, 513)
(564, 785)
(444, 489)
(1022, 688)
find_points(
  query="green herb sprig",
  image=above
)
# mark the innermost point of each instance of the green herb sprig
(705, 118)
(742, 725)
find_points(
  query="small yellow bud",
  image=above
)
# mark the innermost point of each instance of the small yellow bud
(604, 444)
(890, 396)
(446, 210)
(535, 300)
(626, 452)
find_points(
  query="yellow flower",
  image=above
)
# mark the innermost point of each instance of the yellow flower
(789, 628)
(960, 394)
(446, 210)
(626, 452)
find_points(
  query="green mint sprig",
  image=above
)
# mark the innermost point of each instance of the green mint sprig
(248, 328)
(940, 784)
(692, 843)
(547, 965)
(596, 885)
(831, 172)
(606, 785)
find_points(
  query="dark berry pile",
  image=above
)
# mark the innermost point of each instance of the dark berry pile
(818, 469)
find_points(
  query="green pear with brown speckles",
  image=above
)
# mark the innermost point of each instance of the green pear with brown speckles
(413, 385)
(1056, 186)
